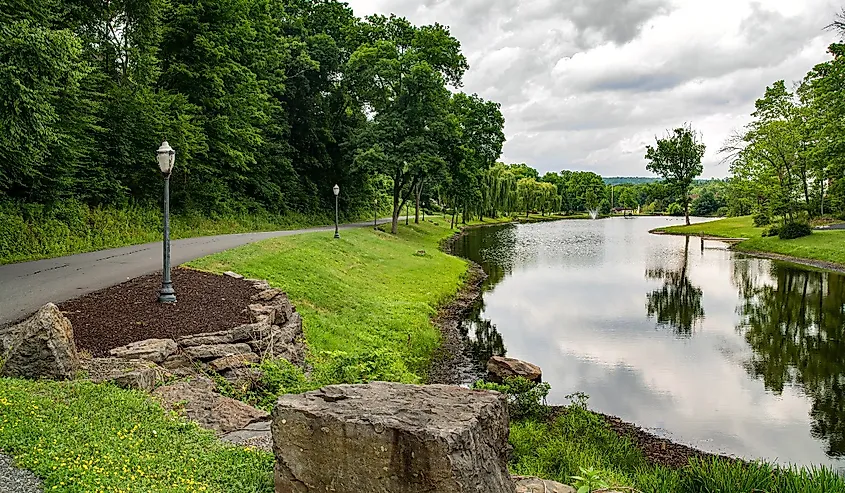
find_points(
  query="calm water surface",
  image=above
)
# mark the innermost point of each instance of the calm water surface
(718, 350)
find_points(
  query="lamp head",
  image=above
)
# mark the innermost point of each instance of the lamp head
(336, 190)
(166, 157)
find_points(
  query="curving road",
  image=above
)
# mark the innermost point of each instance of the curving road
(27, 286)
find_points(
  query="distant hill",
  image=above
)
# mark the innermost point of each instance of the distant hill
(628, 180)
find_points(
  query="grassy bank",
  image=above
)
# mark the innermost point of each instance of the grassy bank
(824, 246)
(36, 232)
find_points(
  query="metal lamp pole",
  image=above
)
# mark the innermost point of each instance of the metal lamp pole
(375, 213)
(336, 190)
(166, 157)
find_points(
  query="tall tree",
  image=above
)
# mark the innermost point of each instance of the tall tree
(677, 158)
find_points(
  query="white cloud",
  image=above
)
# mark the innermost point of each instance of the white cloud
(585, 84)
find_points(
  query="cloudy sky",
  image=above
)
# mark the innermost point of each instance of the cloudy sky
(586, 84)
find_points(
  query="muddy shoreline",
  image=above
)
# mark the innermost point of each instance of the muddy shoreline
(453, 366)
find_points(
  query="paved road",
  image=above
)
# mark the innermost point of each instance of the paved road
(26, 287)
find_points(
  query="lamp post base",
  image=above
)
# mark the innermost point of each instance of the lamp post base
(167, 294)
(337, 235)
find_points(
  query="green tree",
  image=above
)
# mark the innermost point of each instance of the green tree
(677, 158)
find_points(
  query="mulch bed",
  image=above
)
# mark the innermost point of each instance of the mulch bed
(130, 311)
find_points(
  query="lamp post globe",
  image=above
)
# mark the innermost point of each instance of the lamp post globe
(166, 158)
(336, 190)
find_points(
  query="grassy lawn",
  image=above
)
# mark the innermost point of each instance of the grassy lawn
(81, 437)
(827, 246)
(366, 299)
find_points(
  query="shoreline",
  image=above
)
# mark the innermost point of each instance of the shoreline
(734, 245)
(452, 366)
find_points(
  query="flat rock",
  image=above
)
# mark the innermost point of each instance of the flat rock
(197, 401)
(178, 361)
(41, 346)
(500, 368)
(231, 362)
(233, 275)
(155, 350)
(536, 485)
(242, 333)
(259, 313)
(255, 435)
(389, 437)
(267, 294)
(216, 351)
(135, 374)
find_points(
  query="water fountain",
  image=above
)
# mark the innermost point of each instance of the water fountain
(594, 213)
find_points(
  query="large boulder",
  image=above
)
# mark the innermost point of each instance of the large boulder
(197, 401)
(41, 346)
(500, 368)
(155, 350)
(388, 437)
(125, 373)
(536, 485)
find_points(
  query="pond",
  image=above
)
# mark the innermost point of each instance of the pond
(721, 351)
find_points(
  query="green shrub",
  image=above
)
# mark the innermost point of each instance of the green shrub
(723, 212)
(762, 219)
(795, 229)
(675, 210)
(772, 231)
(526, 399)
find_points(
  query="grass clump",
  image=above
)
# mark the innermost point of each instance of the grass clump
(826, 246)
(81, 437)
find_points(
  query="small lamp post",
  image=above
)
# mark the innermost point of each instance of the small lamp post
(336, 190)
(375, 213)
(166, 157)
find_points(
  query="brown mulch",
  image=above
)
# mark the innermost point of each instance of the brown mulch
(130, 311)
(659, 451)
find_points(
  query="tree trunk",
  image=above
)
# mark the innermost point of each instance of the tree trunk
(418, 194)
(686, 208)
(397, 208)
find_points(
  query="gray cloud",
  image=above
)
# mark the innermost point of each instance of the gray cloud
(585, 84)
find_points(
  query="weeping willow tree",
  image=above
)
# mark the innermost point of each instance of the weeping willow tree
(548, 199)
(499, 187)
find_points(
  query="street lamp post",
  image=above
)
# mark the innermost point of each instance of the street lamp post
(166, 157)
(375, 213)
(336, 190)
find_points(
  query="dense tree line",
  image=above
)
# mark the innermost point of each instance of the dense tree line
(789, 161)
(268, 104)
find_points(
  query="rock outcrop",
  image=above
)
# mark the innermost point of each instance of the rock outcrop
(500, 368)
(135, 374)
(197, 401)
(41, 346)
(155, 350)
(387, 437)
(536, 485)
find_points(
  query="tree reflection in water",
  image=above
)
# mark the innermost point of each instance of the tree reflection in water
(482, 340)
(793, 320)
(677, 304)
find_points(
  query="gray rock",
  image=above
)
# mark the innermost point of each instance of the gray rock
(499, 368)
(233, 275)
(197, 401)
(232, 362)
(216, 351)
(259, 284)
(388, 437)
(155, 350)
(14, 480)
(266, 295)
(41, 346)
(242, 333)
(286, 342)
(129, 374)
(526, 484)
(259, 313)
(178, 361)
(256, 435)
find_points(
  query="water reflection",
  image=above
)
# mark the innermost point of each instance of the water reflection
(760, 376)
(793, 320)
(677, 304)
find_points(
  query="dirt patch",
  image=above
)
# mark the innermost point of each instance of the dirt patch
(451, 364)
(130, 311)
(659, 451)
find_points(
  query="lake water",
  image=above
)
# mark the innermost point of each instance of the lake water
(718, 350)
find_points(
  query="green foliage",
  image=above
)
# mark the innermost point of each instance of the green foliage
(675, 209)
(677, 158)
(762, 219)
(589, 480)
(772, 231)
(795, 229)
(78, 436)
(526, 399)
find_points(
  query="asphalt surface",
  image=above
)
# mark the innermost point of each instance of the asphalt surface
(27, 286)
(14, 480)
